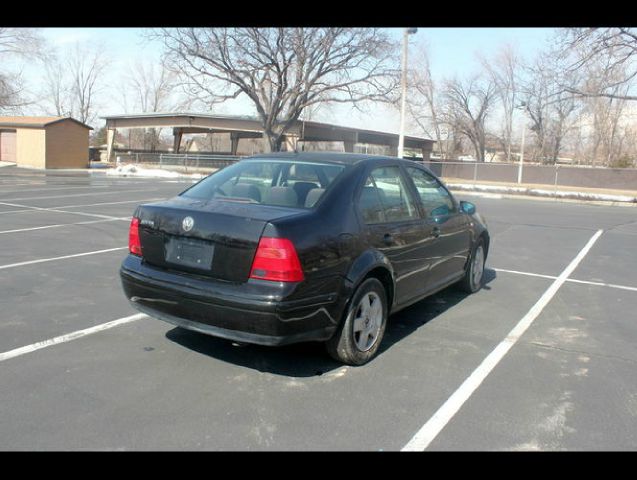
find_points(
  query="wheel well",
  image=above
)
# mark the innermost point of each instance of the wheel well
(485, 238)
(384, 277)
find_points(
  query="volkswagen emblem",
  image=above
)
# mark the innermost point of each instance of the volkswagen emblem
(187, 224)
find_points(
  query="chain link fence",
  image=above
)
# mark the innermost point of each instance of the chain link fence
(183, 161)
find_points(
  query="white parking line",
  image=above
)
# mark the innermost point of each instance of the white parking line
(601, 284)
(47, 189)
(89, 222)
(528, 274)
(28, 208)
(21, 210)
(11, 184)
(68, 337)
(43, 260)
(571, 280)
(41, 209)
(430, 430)
(113, 203)
(118, 192)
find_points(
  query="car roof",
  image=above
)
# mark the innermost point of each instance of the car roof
(322, 157)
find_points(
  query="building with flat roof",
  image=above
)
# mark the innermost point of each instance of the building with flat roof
(44, 142)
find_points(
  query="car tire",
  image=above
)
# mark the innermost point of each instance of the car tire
(360, 334)
(473, 279)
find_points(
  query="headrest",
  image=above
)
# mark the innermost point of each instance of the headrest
(312, 196)
(283, 196)
(245, 190)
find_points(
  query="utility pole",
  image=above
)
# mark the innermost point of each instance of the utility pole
(521, 164)
(403, 86)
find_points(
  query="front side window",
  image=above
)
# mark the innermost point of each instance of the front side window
(384, 198)
(268, 182)
(433, 195)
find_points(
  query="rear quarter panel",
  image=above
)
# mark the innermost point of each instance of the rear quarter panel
(327, 239)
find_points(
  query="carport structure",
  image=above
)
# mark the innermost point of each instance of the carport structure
(250, 127)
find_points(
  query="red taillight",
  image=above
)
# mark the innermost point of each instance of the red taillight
(276, 260)
(134, 245)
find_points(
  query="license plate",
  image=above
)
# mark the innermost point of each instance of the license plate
(189, 253)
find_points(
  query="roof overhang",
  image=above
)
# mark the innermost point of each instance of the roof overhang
(251, 127)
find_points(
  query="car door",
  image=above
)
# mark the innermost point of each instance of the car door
(446, 223)
(393, 224)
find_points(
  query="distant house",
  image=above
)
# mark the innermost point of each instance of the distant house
(44, 142)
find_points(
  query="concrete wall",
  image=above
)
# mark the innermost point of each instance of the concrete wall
(66, 145)
(30, 147)
(574, 176)
(619, 178)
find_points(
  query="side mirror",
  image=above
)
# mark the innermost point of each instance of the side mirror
(467, 207)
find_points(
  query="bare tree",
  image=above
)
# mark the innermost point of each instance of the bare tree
(423, 102)
(550, 109)
(597, 71)
(86, 65)
(559, 125)
(72, 80)
(615, 46)
(503, 70)
(11, 88)
(153, 87)
(605, 137)
(15, 43)
(467, 106)
(283, 70)
(56, 87)
(20, 41)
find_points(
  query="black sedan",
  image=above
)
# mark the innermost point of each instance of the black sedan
(295, 247)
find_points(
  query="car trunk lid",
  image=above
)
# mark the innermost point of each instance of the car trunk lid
(216, 238)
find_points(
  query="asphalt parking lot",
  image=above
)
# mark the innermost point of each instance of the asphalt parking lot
(544, 357)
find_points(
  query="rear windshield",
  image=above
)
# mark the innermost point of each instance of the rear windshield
(268, 182)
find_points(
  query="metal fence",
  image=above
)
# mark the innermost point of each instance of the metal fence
(180, 160)
(555, 175)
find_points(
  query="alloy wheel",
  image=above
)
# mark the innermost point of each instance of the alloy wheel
(477, 267)
(368, 320)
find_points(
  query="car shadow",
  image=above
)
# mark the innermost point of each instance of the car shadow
(298, 360)
(310, 359)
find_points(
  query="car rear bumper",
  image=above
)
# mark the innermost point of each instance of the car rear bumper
(254, 312)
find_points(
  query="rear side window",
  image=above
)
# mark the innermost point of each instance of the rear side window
(369, 203)
(384, 198)
(268, 182)
(433, 195)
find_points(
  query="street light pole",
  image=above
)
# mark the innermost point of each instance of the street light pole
(403, 88)
(521, 164)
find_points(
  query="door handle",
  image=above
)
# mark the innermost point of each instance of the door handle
(388, 239)
(435, 232)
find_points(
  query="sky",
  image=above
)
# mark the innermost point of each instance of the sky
(452, 51)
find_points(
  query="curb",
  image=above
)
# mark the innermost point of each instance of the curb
(537, 193)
